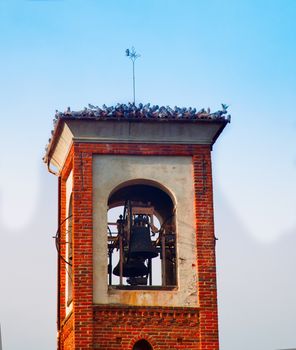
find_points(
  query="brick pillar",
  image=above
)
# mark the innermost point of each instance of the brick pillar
(206, 261)
(61, 264)
(82, 250)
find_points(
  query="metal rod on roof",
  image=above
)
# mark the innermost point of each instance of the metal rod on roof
(131, 53)
(134, 83)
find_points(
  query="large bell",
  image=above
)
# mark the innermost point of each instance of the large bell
(140, 243)
(132, 268)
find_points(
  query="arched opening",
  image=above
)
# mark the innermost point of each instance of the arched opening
(142, 345)
(141, 237)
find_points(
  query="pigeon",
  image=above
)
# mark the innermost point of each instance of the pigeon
(224, 107)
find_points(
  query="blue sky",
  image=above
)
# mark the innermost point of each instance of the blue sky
(56, 54)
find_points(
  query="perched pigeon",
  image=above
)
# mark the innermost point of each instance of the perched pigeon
(224, 107)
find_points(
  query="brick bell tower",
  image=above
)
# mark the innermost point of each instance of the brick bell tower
(136, 243)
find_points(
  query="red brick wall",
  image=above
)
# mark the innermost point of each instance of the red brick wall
(66, 339)
(164, 328)
(206, 261)
(109, 327)
(62, 252)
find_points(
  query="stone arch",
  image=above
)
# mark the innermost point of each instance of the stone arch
(163, 199)
(144, 181)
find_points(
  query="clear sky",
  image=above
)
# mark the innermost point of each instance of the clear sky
(55, 54)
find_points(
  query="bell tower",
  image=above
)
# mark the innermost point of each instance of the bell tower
(135, 239)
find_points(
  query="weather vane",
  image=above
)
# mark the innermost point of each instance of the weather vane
(131, 53)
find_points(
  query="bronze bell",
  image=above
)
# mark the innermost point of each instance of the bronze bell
(140, 244)
(132, 268)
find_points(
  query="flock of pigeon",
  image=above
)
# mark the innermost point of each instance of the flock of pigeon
(141, 111)
(131, 111)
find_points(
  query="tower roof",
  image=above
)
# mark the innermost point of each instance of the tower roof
(208, 125)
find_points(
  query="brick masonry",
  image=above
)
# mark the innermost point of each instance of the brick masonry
(108, 327)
